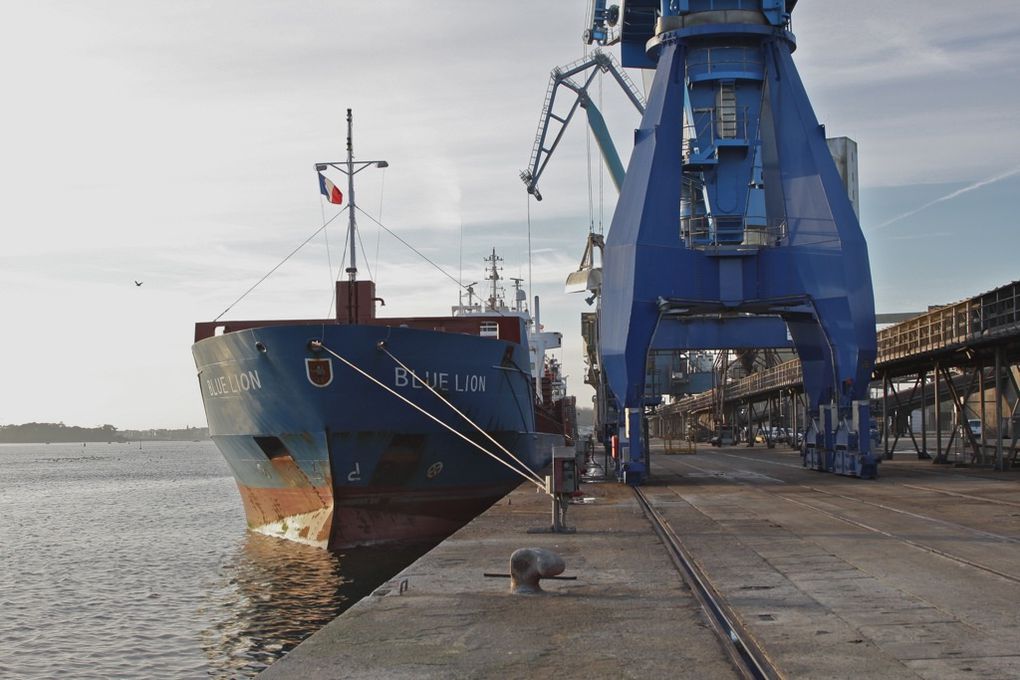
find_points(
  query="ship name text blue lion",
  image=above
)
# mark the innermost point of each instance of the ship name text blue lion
(443, 382)
(233, 383)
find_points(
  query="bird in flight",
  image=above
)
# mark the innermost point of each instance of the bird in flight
(138, 283)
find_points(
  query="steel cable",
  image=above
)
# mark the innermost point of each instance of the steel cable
(280, 264)
(432, 417)
(462, 415)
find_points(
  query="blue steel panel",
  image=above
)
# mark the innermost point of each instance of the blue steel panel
(740, 333)
(759, 224)
(637, 25)
(347, 425)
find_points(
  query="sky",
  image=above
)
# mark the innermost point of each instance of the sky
(174, 144)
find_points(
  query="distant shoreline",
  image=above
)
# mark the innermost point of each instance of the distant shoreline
(4, 444)
(58, 433)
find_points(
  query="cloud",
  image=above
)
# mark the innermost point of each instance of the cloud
(174, 142)
(920, 89)
(919, 237)
(950, 196)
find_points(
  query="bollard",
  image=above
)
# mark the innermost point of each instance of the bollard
(529, 565)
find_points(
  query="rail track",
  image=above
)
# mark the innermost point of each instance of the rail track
(912, 542)
(909, 541)
(748, 657)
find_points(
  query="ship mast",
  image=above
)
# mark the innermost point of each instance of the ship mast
(350, 167)
(352, 224)
(495, 296)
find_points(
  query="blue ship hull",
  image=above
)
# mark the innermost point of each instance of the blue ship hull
(324, 456)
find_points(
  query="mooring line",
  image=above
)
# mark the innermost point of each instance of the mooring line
(428, 415)
(460, 413)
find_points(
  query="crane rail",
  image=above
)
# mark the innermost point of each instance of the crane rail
(749, 658)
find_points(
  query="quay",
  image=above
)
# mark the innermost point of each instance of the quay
(913, 575)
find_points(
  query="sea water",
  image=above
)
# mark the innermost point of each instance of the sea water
(133, 560)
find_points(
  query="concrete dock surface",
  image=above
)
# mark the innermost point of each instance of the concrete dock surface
(913, 575)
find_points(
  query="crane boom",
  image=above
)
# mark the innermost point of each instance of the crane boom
(552, 126)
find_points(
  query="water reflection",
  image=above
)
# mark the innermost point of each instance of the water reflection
(270, 594)
(122, 562)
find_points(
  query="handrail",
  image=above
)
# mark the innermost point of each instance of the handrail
(716, 231)
(986, 317)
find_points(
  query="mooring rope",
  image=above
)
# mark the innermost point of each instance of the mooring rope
(461, 414)
(418, 408)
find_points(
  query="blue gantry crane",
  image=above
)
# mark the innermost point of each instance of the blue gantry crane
(733, 222)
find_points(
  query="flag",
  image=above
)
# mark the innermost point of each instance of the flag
(330, 190)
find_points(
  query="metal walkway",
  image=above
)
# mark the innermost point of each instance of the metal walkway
(974, 343)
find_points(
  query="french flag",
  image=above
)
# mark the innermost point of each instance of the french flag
(330, 190)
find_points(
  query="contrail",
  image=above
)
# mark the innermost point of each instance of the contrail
(947, 197)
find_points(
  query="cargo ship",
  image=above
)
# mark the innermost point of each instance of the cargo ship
(363, 430)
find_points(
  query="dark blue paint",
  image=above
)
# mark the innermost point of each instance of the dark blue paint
(354, 419)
